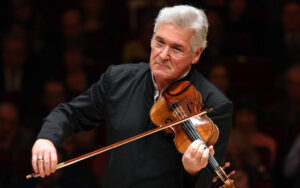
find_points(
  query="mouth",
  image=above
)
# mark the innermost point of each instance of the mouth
(159, 63)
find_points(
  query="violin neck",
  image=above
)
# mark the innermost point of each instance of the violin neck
(213, 163)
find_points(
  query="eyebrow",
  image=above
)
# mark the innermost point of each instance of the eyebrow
(173, 45)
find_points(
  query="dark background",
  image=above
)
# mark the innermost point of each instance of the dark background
(53, 50)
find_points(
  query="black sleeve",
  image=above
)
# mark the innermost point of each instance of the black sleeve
(80, 114)
(222, 117)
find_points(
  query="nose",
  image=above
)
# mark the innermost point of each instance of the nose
(164, 54)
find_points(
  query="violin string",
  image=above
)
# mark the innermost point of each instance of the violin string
(211, 159)
(192, 132)
(185, 127)
(191, 129)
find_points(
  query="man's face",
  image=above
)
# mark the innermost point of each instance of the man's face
(165, 67)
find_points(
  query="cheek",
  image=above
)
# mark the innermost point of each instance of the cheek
(152, 58)
(180, 65)
(153, 54)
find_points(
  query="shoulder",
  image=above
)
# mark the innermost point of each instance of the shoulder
(123, 76)
(211, 95)
(127, 69)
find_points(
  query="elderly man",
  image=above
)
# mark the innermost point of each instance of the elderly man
(123, 97)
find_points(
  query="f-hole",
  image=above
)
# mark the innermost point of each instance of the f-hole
(188, 105)
(168, 120)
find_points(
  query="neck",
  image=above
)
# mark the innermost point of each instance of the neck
(161, 85)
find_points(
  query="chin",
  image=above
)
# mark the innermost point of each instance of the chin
(158, 73)
(162, 76)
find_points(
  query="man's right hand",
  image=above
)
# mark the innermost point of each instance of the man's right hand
(44, 157)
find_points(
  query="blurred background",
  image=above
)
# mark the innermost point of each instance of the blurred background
(52, 50)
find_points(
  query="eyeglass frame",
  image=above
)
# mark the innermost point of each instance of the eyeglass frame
(170, 51)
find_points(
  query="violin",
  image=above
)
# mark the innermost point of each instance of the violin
(182, 101)
(179, 111)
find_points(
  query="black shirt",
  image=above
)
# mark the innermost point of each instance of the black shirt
(122, 98)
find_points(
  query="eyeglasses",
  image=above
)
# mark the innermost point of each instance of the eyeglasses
(172, 51)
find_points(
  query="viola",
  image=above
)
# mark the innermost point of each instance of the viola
(178, 111)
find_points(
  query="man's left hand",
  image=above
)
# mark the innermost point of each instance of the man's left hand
(196, 157)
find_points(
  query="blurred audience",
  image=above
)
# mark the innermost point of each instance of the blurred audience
(83, 143)
(75, 71)
(216, 47)
(285, 113)
(53, 94)
(285, 41)
(15, 74)
(15, 142)
(75, 41)
(246, 120)
(219, 76)
(76, 83)
(291, 168)
(241, 153)
(252, 152)
(103, 34)
(241, 179)
(93, 12)
(138, 49)
(73, 59)
(214, 4)
(283, 117)
(72, 28)
(238, 29)
(244, 160)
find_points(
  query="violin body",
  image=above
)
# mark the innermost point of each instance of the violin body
(190, 103)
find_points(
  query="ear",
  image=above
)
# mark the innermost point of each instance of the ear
(197, 55)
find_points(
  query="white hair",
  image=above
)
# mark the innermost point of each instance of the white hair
(187, 17)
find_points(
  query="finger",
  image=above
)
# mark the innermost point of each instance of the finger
(41, 166)
(227, 164)
(193, 148)
(231, 173)
(200, 151)
(34, 163)
(205, 157)
(47, 163)
(53, 156)
(211, 149)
